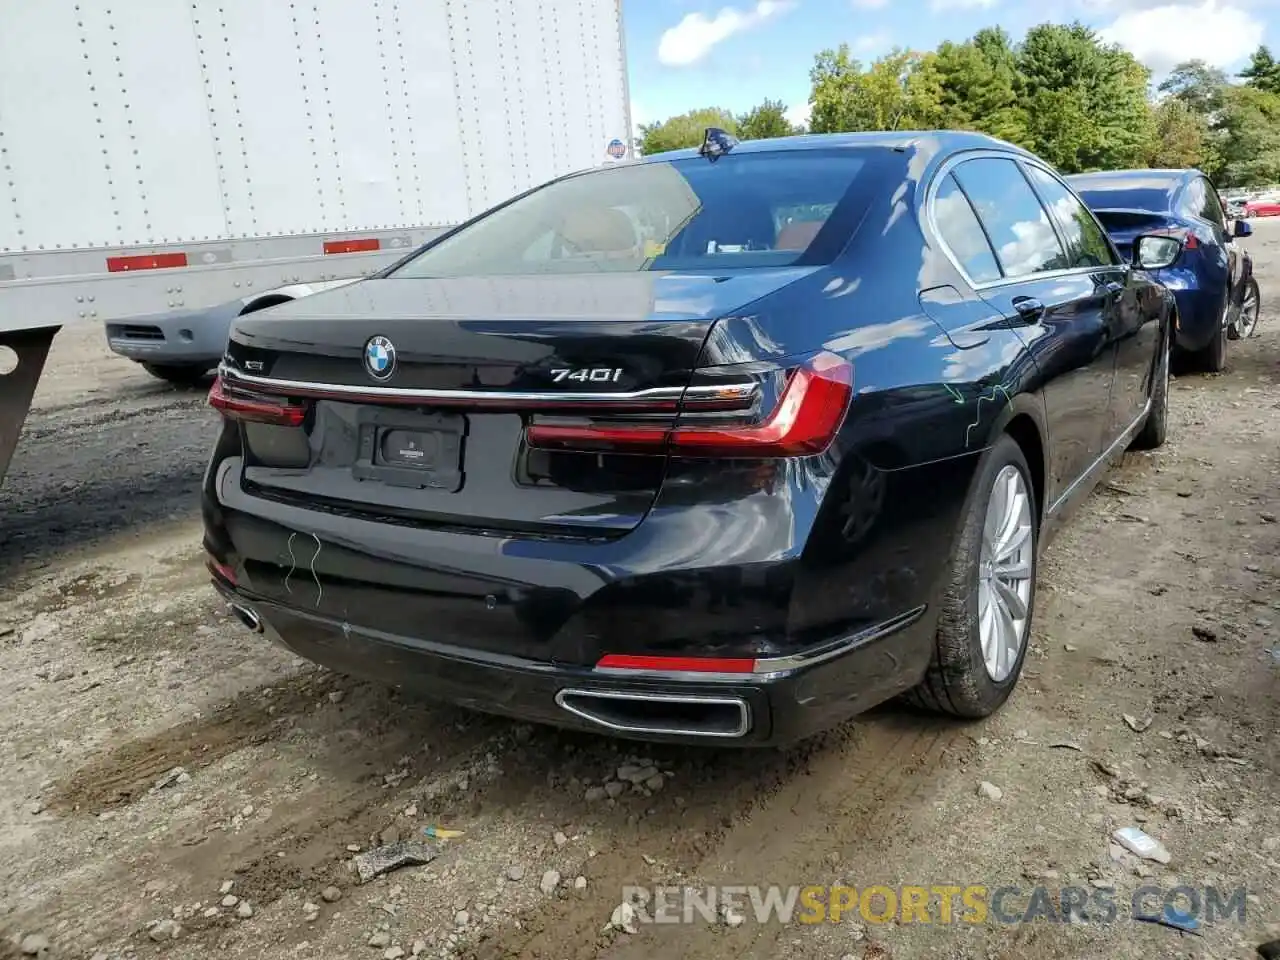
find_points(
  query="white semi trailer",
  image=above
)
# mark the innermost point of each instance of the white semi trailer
(168, 164)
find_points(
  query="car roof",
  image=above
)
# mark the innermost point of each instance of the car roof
(1131, 189)
(931, 141)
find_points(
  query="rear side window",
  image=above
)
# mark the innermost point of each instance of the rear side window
(743, 210)
(1212, 209)
(960, 230)
(1019, 227)
(1193, 200)
(1086, 243)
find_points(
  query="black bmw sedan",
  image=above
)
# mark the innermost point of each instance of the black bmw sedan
(723, 445)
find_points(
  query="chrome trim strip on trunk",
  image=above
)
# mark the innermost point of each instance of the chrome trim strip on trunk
(302, 388)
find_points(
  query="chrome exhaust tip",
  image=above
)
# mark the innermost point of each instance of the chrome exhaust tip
(247, 617)
(661, 714)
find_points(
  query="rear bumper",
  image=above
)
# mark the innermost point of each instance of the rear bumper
(182, 337)
(842, 678)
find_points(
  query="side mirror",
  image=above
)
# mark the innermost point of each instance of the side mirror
(1155, 252)
(1242, 228)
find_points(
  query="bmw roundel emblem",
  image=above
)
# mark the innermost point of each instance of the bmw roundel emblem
(380, 358)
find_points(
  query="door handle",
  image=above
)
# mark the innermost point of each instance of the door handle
(1029, 309)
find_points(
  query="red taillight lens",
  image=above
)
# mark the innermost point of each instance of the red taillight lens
(235, 404)
(804, 421)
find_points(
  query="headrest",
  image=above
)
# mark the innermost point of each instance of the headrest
(599, 230)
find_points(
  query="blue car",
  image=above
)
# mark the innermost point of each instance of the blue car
(1213, 280)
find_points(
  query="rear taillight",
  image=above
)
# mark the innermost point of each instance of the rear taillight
(235, 403)
(1189, 240)
(810, 407)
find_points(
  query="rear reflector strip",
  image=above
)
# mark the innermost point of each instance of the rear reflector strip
(362, 245)
(146, 261)
(221, 571)
(619, 661)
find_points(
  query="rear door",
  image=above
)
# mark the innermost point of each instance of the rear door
(1061, 312)
(1133, 330)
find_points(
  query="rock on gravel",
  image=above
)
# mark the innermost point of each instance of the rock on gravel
(165, 930)
(393, 953)
(515, 873)
(623, 918)
(331, 894)
(34, 944)
(989, 790)
(380, 939)
(550, 880)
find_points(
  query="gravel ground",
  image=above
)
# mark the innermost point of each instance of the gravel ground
(175, 787)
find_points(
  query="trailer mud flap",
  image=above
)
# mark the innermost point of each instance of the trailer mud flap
(18, 382)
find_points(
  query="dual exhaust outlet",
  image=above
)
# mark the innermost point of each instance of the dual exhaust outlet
(653, 714)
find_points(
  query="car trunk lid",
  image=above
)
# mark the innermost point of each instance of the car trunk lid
(410, 397)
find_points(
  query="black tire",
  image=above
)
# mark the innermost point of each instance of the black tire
(179, 374)
(957, 682)
(1251, 292)
(1154, 430)
(1213, 358)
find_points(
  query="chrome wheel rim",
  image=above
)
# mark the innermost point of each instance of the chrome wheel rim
(1248, 313)
(1005, 573)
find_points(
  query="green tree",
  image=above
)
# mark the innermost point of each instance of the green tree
(1182, 137)
(1248, 137)
(960, 87)
(1263, 71)
(1086, 102)
(685, 130)
(1196, 84)
(845, 97)
(767, 120)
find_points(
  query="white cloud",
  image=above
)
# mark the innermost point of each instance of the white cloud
(872, 42)
(869, 4)
(799, 114)
(963, 4)
(693, 37)
(1164, 36)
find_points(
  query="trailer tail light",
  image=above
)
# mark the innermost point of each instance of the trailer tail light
(235, 403)
(804, 407)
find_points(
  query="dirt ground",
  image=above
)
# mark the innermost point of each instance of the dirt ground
(118, 665)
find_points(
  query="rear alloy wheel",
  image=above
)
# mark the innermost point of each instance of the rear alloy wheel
(1247, 321)
(1155, 428)
(986, 610)
(179, 374)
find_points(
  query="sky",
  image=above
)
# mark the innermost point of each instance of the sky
(685, 54)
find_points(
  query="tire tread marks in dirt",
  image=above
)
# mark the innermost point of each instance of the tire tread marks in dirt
(840, 791)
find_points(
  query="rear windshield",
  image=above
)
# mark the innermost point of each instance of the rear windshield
(744, 210)
(1130, 194)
